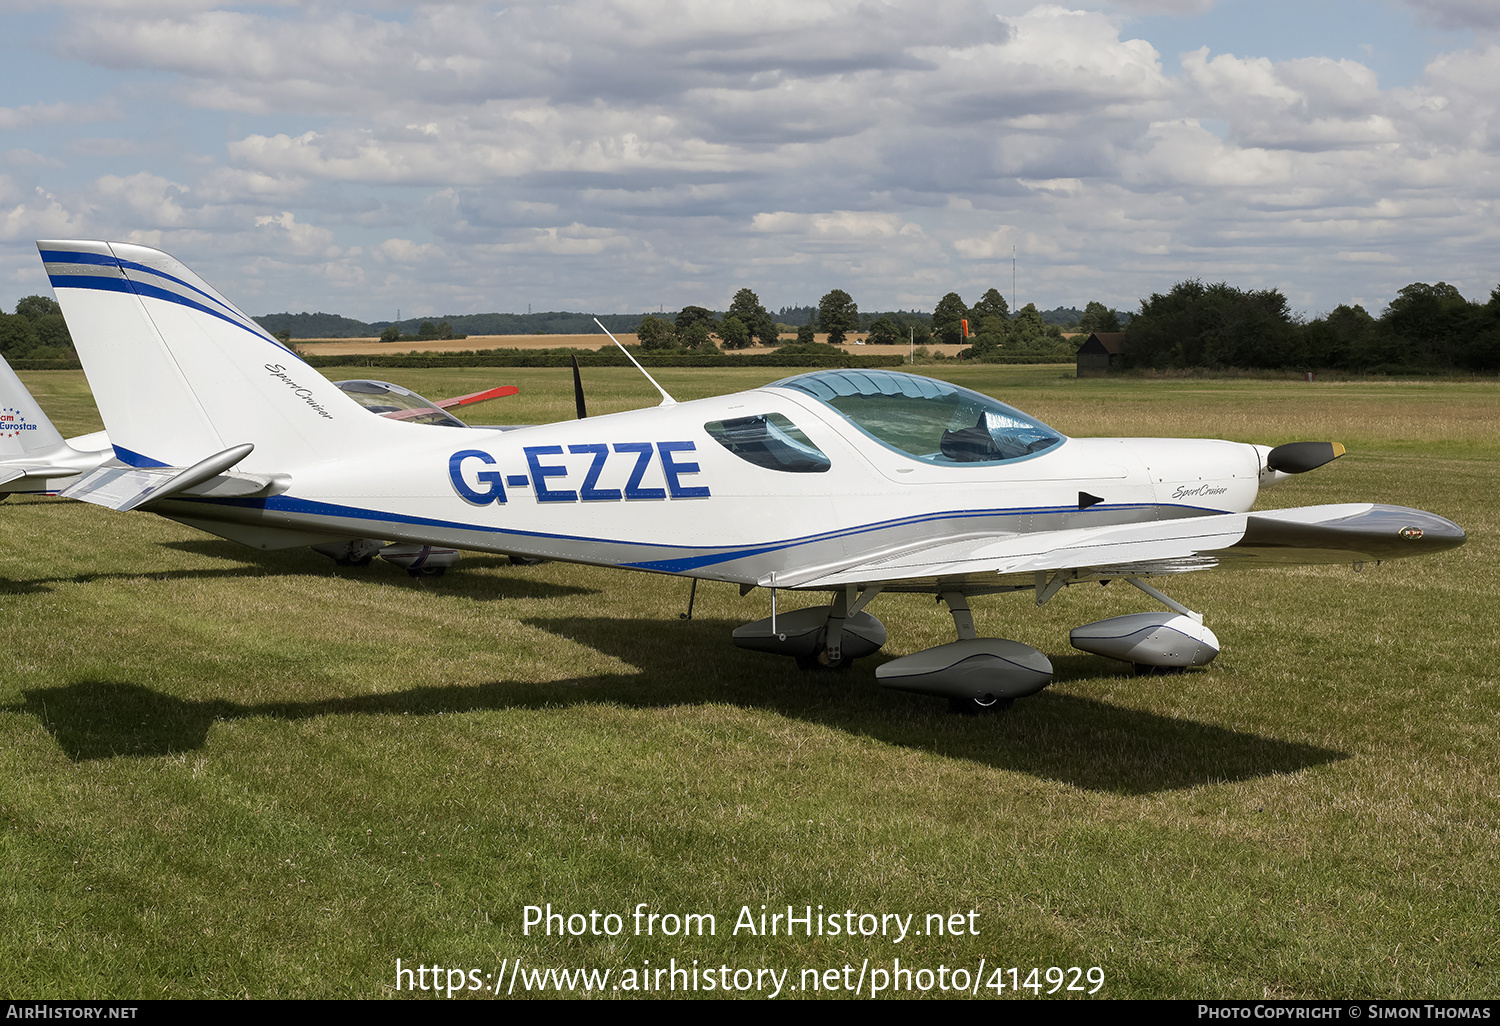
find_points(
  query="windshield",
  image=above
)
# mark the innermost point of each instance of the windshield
(927, 419)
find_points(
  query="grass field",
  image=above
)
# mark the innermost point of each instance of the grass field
(229, 773)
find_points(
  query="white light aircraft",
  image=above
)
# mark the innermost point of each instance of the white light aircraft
(846, 483)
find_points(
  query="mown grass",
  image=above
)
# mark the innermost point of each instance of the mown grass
(226, 772)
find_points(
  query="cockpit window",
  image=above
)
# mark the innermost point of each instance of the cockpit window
(770, 441)
(927, 419)
(387, 400)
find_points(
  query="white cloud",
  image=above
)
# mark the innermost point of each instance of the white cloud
(476, 154)
(1179, 7)
(150, 199)
(29, 115)
(41, 215)
(298, 238)
(1459, 14)
(837, 224)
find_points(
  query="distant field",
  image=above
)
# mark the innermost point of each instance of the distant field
(228, 772)
(366, 346)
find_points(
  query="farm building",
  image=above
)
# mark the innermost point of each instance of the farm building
(1100, 354)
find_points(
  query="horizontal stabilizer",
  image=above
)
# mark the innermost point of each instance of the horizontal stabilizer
(11, 472)
(123, 488)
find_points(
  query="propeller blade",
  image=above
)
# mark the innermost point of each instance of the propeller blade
(477, 397)
(1300, 457)
(578, 391)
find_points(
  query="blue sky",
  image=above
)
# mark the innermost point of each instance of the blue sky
(620, 155)
(1393, 39)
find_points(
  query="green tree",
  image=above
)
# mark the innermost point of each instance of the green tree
(991, 304)
(1197, 325)
(698, 334)
(654, 333)
(837, 315)
(1098, 317)
(746, 306)
(34, 308)
(887, 331)
(734, 333)
(807, 334)
(948, 319)
(1030, 334)
(17, 335)
(52, 331)
(1338, 339)
(1481, 350)
(690, 315)
(391, 334)
(1431, 323)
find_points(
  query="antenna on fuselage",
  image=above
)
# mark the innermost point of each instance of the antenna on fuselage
(666, 400)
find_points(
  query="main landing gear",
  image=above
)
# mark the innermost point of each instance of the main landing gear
(416, 560)
(976, 675)
(979, 675)
(821, 637)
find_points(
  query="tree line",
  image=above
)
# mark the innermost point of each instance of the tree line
(1424, 329)
(988, 326)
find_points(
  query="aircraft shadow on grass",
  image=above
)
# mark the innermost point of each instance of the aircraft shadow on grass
(251, 563)
(1079, 741)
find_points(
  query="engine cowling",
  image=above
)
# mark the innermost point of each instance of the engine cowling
(1149, 639)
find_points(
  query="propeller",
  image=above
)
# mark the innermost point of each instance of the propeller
(1300, 457)
(578, 391)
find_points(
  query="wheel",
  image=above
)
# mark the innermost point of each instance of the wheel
(525, 561)
(1147, 670)
(428, 571)
(818, 662)
(362, 561)
(977, 706)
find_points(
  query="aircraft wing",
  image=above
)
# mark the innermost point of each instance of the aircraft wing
(1343, 533)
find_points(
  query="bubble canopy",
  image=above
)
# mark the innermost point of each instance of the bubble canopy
(384, 399)
(927, 419)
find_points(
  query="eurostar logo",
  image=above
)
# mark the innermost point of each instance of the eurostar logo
(12, 423)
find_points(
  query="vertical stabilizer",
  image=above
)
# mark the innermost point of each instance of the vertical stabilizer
(25, 430)
(180, 373)
(34, 457)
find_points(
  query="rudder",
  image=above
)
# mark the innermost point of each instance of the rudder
(179, 372)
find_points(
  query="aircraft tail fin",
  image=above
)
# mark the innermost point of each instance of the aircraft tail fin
(34, 457)
(180, 373)
(25, 431)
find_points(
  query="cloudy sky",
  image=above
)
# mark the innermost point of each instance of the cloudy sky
(621, 155)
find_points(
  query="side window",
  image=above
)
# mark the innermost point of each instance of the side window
(770, 441)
